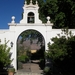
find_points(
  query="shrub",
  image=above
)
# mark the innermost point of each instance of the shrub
(4, 55)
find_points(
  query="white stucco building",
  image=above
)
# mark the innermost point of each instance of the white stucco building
(30, 21)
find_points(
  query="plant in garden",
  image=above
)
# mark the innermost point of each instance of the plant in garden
(4, 55)
(23, 54)
(62, 52)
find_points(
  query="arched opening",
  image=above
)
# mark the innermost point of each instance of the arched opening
(30, 51)
(30, 18)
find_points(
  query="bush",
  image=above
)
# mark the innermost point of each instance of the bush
(62, 52)
(4, 56)
(11, 69)
(47, 71)
(23, 58)
(42, 63)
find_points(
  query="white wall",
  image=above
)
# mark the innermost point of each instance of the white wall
(14, 31)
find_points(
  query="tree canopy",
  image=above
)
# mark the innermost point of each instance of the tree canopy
(62, 12)
(62, 52)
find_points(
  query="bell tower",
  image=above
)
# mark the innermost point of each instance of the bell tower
(30, 13)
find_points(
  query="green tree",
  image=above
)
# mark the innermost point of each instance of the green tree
(4, 55)
(62, 12)
(62, 52)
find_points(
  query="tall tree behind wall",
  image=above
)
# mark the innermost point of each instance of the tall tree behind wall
(62, 12)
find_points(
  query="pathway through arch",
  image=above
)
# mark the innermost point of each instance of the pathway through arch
(30, 68)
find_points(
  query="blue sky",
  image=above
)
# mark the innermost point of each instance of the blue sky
(9, 8)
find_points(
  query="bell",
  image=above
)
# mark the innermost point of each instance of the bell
(31, 19)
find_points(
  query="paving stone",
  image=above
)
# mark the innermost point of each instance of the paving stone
(30, 69)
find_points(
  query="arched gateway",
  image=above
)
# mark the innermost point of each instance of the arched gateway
(30, 21)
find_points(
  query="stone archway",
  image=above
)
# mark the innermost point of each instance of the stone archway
(30, 50)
